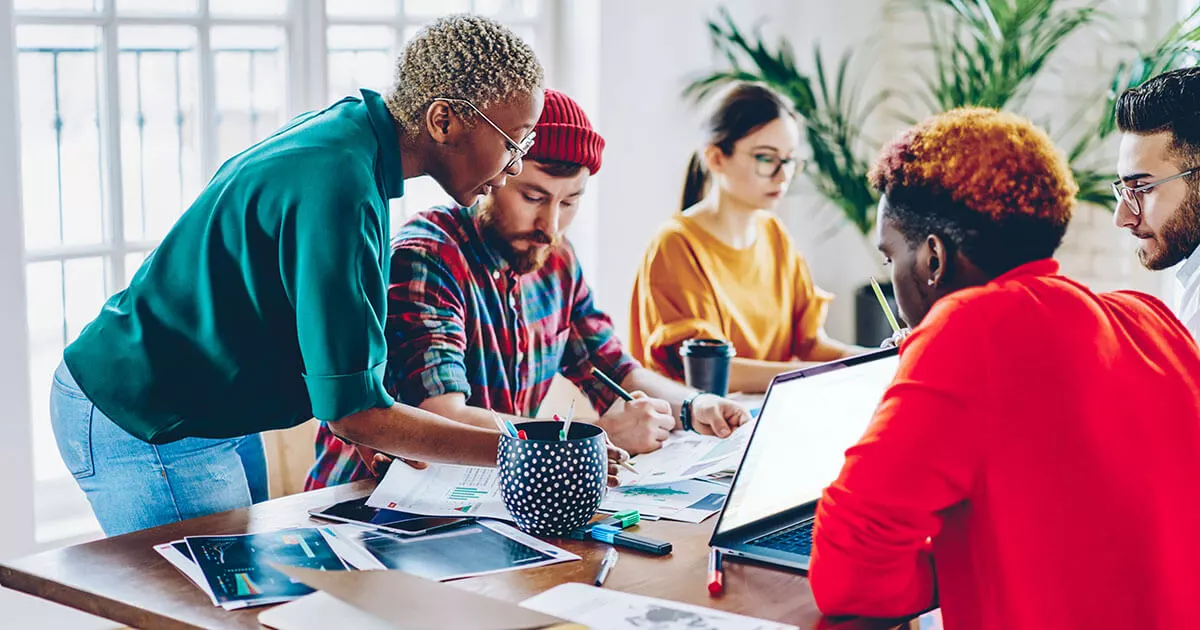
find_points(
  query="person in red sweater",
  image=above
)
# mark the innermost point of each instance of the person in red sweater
(1036, 461)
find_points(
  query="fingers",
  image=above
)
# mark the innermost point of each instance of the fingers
(415, 464)
(740, 416)
(638, 395)
(616, 454)
(718, 425)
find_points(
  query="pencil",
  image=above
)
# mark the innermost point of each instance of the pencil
(887, 310)
(623, 462)
(611, 384)
(500, 424)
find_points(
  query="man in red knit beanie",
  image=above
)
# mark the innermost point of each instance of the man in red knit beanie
(487, 304)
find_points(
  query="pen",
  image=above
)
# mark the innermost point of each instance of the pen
(606, 565)
(716, 575)
(521, 435)
(512, 430)
(887, 310)
(611, 384)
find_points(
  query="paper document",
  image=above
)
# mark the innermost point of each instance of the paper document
(240, 568)
(605, 609)
(691, 500)
(407, 602)
(687, 455)
(441, 490)
(468, 550)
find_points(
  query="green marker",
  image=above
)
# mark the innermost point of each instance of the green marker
(887, 310)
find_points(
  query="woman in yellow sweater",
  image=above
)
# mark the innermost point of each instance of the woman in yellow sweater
(726, 268)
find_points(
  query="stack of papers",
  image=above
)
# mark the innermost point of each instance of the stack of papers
(236, 572)
(241, 571)
(691, 500)
(465, 551)
(687, 455)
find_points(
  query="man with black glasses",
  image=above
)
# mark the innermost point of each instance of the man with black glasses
(1158, 195)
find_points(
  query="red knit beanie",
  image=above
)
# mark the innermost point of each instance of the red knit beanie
(564, 134)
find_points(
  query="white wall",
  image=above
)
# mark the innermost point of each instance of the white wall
(647, 51)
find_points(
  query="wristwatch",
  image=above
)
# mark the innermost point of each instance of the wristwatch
(685, 412)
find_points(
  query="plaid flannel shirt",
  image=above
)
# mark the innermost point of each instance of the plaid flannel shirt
(460, 320)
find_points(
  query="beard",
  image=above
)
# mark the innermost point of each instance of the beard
(521, 261)
(1179, 236)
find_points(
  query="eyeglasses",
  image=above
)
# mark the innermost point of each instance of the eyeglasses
(517, 149)
(1133, 196)
(769, 165)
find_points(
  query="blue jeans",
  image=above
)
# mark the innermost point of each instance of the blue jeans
(133, 484)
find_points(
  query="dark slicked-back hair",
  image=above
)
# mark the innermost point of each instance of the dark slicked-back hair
(1169, 102)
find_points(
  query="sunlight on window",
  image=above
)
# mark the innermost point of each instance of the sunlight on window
(250, 82)
(247, 7)
(157, 6)
(58, 72)
(361, 8)
(360, 57)
(160, 153)
(58, 5)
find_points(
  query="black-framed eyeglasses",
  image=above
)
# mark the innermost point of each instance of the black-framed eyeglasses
(517, 149)
(769, 165)
(1133, 196)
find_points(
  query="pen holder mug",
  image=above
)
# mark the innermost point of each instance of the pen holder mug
(553, 486)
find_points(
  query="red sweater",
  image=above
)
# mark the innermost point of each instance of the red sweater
(1047, 439)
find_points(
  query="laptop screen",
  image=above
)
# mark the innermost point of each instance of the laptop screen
(807, 422)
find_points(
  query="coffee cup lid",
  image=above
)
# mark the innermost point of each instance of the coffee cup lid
(707, 347)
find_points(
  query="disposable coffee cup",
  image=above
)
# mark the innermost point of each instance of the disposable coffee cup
(706, 364)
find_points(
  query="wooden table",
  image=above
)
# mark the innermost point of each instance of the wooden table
(124, 579)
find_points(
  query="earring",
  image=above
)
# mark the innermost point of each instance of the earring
(932, 282)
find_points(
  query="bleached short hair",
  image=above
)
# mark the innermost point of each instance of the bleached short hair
(461, 56)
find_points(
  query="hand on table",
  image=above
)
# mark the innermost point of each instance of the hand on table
(713, 415)
(640, 425)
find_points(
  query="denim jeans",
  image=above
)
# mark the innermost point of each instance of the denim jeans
(132, 484)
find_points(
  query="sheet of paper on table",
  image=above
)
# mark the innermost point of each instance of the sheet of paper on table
(441, 490)
(690, 501)
(468, 550)
(606, 609)
(687, 455)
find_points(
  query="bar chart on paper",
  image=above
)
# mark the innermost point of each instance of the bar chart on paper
(441, 490)
(466, 493)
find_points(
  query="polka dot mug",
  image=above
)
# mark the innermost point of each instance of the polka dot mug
(553, 486)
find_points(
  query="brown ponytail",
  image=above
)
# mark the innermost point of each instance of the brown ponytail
(736, 112)
(695, 183)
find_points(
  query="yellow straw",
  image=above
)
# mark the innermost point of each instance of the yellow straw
(887, 310)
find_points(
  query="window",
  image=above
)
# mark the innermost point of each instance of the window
(125, 108)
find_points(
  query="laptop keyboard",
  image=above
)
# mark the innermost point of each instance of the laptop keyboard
(794, 539)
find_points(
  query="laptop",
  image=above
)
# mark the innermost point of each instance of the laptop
(808, 419)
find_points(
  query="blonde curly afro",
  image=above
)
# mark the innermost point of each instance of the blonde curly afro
(461, 56)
